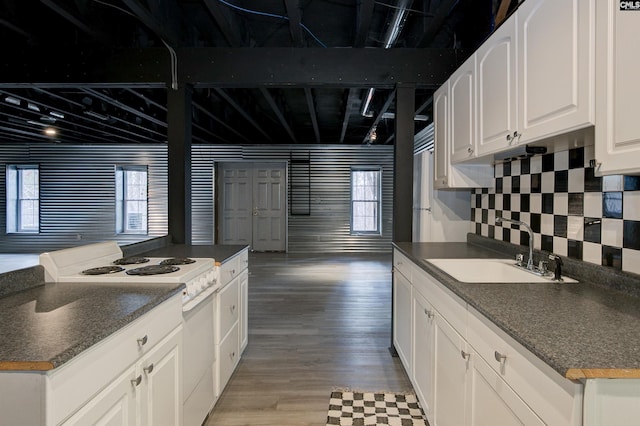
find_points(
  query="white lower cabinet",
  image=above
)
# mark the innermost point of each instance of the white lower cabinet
(423, 354)
(492, 401)
(466, 371)
(450, 378)
(231, 317)
(147, 393)
(115, 405)
(402, 318)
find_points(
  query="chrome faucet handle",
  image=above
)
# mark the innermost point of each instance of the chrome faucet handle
(519, 259)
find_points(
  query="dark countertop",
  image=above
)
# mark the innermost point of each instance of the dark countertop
(581, 330)
(221, 253)
(45, 326)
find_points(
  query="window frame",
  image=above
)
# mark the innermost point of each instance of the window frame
(122, 202)
(14, 180)
(378, 201)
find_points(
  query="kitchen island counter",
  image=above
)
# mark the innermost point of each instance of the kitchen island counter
(582, 330)
(47, 325)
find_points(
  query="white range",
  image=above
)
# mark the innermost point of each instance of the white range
(104, 263)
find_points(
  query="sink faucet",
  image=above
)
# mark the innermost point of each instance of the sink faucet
(529, 230)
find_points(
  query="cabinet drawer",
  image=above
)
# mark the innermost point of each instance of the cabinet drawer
(229, 356)
(448, 305)
(555, 399)
(227, 309)
(402, 264)
(84, 376)
(229, 270)
(243, 260)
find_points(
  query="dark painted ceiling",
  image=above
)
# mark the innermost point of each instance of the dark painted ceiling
(40, 36)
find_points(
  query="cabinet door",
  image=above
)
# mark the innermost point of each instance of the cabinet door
(423, 352)
(492, 401)
(617, 134)
(555, 67)
(441, 129)
(160, 393)
(114, 406)
(402, 319)
(227, 307)
(244, 309)
(452, 361)
(496, 90)
(462, 130)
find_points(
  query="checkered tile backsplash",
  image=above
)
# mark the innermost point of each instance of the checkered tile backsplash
(572, 212)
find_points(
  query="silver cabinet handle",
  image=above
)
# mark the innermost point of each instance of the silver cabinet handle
(428, 313)
(137, 381)
(232, 308)
(143, 341)
(470, 150)
(232, 355)
(465, 355)
(499, 357)
(148, 369)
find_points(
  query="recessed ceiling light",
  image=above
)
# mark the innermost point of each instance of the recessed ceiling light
(12, 100)
(50, 131)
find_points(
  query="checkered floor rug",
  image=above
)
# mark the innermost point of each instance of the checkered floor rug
(369, 408)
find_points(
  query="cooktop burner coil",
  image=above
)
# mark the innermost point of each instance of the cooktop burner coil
(177, 261)
(102, 270)
(130, 261)
(153, 270)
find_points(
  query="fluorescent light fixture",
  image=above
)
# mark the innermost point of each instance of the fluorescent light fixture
(37, 123)
(96, 115)
(56, 114)
(50, 131)
(33, 107)
(418, 117)
(12, 100)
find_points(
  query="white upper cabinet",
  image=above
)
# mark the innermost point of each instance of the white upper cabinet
(556, 41)
(617, 131)
(441, 129)
(496, 89)
(463, 110)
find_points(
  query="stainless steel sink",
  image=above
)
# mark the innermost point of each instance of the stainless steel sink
(490, 271)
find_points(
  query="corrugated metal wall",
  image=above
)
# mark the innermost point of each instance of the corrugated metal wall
(77, 193)
(327, 227)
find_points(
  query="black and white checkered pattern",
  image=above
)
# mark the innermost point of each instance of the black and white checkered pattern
(572, 212)
(369, 408)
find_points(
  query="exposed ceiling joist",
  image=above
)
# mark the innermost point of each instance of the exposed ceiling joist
(312, 112)
(206, 112)
(225, 22)
(348, 109)
(363, 25)
(242, 112)
(278, 113)
(295, 22)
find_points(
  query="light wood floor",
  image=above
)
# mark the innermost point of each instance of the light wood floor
(315, 323)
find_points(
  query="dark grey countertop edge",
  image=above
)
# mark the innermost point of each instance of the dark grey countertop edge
(22, 279)
(480, 247)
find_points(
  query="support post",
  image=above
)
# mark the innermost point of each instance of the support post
(179, 163)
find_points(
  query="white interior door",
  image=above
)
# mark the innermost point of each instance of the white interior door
(254, 205)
